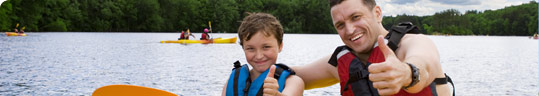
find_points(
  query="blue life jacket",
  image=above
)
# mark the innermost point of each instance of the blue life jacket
(239, 82)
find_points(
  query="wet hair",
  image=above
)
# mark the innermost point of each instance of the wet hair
(370, 3)
(264, 23)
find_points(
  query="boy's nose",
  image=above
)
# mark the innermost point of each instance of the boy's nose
(259, 55)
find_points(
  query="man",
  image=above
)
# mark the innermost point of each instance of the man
(358, 23)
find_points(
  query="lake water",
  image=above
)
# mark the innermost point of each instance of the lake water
(70, 64)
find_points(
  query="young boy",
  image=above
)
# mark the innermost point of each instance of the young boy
(261, 37)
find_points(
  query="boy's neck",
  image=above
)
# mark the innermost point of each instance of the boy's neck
(254, 74)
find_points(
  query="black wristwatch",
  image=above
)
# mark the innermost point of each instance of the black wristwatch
(415, 76)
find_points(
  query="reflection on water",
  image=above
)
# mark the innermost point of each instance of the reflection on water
(46, 64)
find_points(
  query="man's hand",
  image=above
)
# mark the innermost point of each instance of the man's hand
(392, 74)
(271, 85)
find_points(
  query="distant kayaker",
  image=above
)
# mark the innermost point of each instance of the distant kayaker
(261, 37)
(16, 31)
(185, 34)
(22, 30)
(205, 35)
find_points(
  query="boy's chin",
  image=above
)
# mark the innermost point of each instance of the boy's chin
(261, 69)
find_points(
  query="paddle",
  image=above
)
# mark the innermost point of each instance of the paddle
(129, 90)
(211, 31)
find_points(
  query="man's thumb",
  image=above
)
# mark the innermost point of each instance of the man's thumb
(384, 48)
(271, 71)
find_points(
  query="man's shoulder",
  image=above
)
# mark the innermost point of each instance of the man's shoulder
(414, 38)
(414, 41)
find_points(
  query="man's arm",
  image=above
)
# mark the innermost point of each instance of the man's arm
(294, 86)
(420, 51)
(317, 74)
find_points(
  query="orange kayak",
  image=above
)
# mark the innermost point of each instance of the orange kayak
(14, 34)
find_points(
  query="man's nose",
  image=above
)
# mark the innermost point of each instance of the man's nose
(349, 28)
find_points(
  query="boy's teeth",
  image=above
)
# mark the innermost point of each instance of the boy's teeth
(357, 37)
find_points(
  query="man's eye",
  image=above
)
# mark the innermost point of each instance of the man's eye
(355, 18)
(339, 26)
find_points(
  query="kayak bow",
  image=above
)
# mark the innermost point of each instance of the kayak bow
(129, 90)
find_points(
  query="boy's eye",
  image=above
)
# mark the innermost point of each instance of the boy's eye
(267, 46)
(249, 48)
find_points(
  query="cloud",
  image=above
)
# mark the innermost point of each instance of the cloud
(429, 7)
(403, 1)
(458, 2)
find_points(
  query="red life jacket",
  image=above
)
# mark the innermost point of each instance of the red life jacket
(354, 74)
(182, 35)
(204, 36)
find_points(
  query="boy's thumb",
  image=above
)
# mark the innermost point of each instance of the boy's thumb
(271, 71)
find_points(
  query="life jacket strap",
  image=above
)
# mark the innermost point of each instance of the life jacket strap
(439, 81)
(357, 74)
(397, 32)
(237, 68)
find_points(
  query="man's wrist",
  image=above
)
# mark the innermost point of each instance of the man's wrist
(414, 76)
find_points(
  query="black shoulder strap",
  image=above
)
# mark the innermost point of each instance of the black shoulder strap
(281, 68)
(397, 32)
(333, 58)
(237, 68)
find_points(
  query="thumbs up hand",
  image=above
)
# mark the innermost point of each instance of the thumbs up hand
(392, 74)
(271, 85)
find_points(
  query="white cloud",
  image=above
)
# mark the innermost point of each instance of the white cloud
(429, 7)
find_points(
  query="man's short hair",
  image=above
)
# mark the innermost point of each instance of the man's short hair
(369, 3)
(260, 22)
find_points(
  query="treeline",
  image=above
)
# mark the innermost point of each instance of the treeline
(296, 16)
(518, 20)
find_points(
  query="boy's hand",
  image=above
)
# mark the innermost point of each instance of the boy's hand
(271, 85)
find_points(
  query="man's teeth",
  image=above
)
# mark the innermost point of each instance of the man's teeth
(357, 37)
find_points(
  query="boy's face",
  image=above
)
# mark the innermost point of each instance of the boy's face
(261, 51)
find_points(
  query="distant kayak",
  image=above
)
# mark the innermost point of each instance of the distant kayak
(215, 40)
(14, 34)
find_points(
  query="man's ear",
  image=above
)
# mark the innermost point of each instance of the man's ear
(378, 13)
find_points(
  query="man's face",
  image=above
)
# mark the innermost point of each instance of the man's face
(358, 25)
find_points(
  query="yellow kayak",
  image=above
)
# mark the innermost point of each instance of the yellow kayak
(215, 40)
(224, 40)
(14, 34)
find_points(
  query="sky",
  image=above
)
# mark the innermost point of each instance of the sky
(429, 7)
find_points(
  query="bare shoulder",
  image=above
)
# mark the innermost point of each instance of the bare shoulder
(294, 86)
(294, 79)
(414, 38)
(415, 43)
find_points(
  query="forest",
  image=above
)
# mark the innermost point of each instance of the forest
(518, 20)
(296, 16)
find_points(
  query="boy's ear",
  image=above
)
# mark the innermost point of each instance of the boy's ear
(280, 47)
